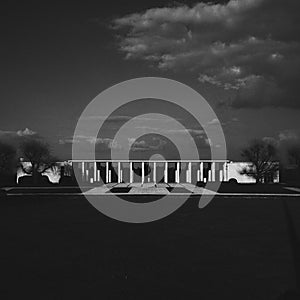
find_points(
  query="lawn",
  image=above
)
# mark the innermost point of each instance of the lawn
(62, 248)
(227, 187)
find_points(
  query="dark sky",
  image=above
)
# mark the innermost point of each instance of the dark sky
(242, 56)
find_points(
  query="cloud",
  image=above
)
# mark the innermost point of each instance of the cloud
(101, 143)
(179, 131)
(68, 141)
(213, 122)
(153, 143)
(248, 48)
(26, 132)
(106, 143)
(286, 140)
(15, 137)
(108, 118)
(118, 118)
(139, 146)
(271, 141)
(288, 135)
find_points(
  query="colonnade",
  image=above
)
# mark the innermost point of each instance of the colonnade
(188, 171)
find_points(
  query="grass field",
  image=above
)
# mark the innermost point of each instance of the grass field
(60, 247)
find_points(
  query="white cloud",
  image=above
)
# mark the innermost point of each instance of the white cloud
(103, 143)
(155, 143)
(213, 122)
(26, 132)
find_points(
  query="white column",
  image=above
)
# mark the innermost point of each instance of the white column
(109, 176)
(143, 172)
(82, 170)
(119, 172)
(106, 172)
(87, 175)
(209, 175)
(225, 171)
(130, 172)
(213, 171)
(178, 172)
(154, 172)
(98, 175)
(95, 171)
(166, 172)
(221, 175)
(190, 172)
(201, 171)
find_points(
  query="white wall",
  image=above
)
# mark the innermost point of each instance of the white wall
(234, 169)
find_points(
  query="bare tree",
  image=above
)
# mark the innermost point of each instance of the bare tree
(7, 160)
(39, 155)
(294, 155)
(261, 155)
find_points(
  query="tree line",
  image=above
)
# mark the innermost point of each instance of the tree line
(262, 156)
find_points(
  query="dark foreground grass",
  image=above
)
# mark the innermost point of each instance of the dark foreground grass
(46, 190)
(62, 248)
(227, 187)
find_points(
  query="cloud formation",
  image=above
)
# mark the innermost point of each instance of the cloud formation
(102, 144)
(15, 137)
(153, 143)
(26, 132)
(249, 48)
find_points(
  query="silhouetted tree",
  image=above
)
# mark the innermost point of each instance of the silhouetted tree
(138, 170)
(39, 155)
(7, 162)
(261, 155)
(294, 155)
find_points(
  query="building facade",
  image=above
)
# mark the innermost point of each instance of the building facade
(142, 171)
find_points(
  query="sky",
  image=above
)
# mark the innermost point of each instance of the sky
(241, 56)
